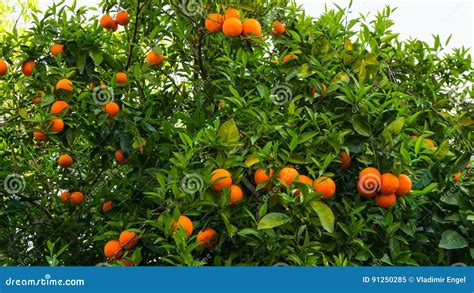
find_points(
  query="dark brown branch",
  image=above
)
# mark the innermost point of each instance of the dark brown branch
(135, 33)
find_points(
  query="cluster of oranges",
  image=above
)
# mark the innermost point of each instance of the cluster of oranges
(115, 249)
(231, 25)
(287, 175)
(385, 188)
(222, 182)
(75, 198)
(206, 238)
(121, 18)
(59, 108)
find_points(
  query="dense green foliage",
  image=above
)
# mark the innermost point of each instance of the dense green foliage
(219, 102)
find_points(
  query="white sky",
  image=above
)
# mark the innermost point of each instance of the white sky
(413, 18)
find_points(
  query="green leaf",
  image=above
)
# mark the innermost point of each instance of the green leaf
(361, 125)
(248, 231)
(396, 126)
(452, 240)
(273, 220)
(251, 160)
(425, 190)
(23, 113)
(442, 150)
(306, 136)
(348, 45)
(325, 215)
(97, 56)
(341, 77)
(228, 131)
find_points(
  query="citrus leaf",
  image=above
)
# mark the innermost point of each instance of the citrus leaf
(251, 160)
(442, 150)
(360, 125)
(273, 220)
(452, 240)
(228, 131)
(325, 215)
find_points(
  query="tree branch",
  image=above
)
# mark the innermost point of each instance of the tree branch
(135, 33)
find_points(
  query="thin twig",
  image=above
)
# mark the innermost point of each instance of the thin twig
(135, 33)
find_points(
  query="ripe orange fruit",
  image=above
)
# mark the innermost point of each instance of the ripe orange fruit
(108, 22)
(56, 49)
(3, 67)
(58, 106)
(36, 100)
(236, 195)
(426, 142)
(77, 198)
(405, 185)
(232, 13)
(221, 179)
(65, 197)
(121, 77)
(214, 22)
(287, 175)
(27, 67)
(107, 206)
(303, 179)
(232, 27)
(207, 238)
(65, 161)
(386, 200)
(278, 28)
(57, 125)
(313, 90)
(184, 222)
(251, 26)
(40, 136)
(288, 57)
(126, 263)
(112, 249)
(261, 176)
(456, 177)
(325, 186)
(128, 239)
(122, 18)
(154, 59)
(64, 84)
(345, 160)
(112, 109)
(370, 170)
(389, 183)
(119, 157)
(429, 143)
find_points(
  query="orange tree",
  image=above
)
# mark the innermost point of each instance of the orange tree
(133, 135)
